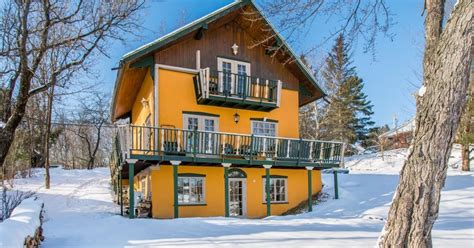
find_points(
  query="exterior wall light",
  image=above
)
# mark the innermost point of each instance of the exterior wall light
(236, 118)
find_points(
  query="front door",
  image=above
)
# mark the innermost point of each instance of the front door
(237, 197)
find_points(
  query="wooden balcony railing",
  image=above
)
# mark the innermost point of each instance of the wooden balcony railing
(218, 87)
(165, 142)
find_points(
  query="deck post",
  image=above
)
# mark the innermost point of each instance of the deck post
(226, 187)
(336, 190)
(175, 187)
(267, 187)
(131, 193)
(120, 191)
(310, 188)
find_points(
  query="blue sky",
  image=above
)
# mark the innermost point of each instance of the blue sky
(390, 78)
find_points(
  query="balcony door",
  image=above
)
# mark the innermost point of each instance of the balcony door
(233, 77)
(206, 139)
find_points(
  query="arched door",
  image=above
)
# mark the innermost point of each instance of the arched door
(237, 193)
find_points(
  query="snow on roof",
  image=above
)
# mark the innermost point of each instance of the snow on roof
(408, 126)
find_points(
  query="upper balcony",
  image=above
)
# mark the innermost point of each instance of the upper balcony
(233, 90)
(202, 147)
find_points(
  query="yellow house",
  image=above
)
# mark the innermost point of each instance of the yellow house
(213, 113)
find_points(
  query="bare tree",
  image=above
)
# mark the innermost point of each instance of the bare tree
(94, 114)
(354, 19)
(30, 31)
(440, 101)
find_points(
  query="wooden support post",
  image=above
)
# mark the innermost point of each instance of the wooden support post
(131, 193)
(310, 188)
(121, 191)
(175, 188)
(267, 188)
(336, 190)
(226, 187)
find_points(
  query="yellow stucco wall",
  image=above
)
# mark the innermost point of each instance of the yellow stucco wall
(139, 113)
(177, 94)
(162, 188)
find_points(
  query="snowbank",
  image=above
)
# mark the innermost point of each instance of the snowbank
(23, 222)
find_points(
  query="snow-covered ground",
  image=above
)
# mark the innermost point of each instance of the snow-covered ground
(392, 162)
(80, 213)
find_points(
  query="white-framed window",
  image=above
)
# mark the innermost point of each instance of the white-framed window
(232, 76)
(191, 190)
(264, 128)
(200, 122)
(206, 143)
(278, 190)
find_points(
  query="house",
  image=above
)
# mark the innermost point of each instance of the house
(214, 122)
(400, 137)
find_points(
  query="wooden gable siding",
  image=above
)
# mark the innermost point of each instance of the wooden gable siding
(217, 42)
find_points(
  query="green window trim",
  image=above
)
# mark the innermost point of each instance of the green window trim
(275, 176)
(200, 113)
(264, 120)
(190, 175)
(283, 202)
(236, 173)
(192, 204)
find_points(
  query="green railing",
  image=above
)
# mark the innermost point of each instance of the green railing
(236, 86)
(142, 140)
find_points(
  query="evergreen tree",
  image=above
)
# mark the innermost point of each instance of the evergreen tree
(348, 114)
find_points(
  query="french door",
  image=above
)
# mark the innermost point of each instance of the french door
(237, 197)
(233, 76)
(206, 142)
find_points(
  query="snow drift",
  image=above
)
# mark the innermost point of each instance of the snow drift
(23, 222)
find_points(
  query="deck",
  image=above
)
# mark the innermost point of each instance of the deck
(158, 144)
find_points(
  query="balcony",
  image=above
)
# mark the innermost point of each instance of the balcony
(227, 89)
(201, 147)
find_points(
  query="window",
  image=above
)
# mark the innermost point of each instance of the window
(207, 142)
(191, 190)
(264, 128)
(278, 190)
(233, 76)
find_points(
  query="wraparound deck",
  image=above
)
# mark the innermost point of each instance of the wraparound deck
(203, 147)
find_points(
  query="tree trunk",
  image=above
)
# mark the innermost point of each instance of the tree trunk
(446, 77)
(47, 137)
(465, 157)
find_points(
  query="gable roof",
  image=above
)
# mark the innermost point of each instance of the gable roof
(149, 48)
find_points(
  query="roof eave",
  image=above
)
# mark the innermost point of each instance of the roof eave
(180, 32)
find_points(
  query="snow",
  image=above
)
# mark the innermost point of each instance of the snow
(393, 160)
(2, 124)
(422, 91)
(80, 213)
(22, 223)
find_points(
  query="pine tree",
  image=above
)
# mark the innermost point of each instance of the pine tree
(348, 115)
